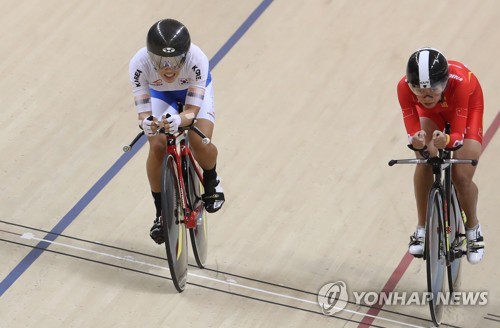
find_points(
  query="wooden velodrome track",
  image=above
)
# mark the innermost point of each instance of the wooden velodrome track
(307, 120)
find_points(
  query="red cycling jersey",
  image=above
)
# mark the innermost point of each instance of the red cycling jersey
(461, 105)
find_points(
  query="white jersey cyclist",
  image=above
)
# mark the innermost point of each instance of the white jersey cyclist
(168, 71)
(195, 72)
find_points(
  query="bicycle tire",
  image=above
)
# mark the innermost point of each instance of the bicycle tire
(173, 225)
(198, 234)
(458, 241)
(434, 255)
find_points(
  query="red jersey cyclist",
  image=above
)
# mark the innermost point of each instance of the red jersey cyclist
(433, 92)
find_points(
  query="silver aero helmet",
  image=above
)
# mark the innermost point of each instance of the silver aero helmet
(168, 42)
(427, 71)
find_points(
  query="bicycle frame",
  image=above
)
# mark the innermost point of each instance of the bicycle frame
(438, 165)
(178, 147)
(181, 201)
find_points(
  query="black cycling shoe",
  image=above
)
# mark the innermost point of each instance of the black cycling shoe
(156, 232)
(213, 196)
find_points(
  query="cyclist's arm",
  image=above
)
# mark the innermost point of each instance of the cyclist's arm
(143, 106)
(194, 100)
(458, 122)
(408, 109)
(140, 87)
(199, 75)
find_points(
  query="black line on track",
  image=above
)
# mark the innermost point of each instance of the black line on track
(189, 283)
(205, 268)
(496, 317)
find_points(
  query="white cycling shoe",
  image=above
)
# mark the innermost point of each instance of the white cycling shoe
(417, 240)
(475, 244)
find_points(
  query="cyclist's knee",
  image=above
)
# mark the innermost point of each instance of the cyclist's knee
(157, 147)
(200, 148)
(471, 149)
(462, 179)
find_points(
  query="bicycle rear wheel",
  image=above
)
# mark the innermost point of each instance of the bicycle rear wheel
(458, 241)
(173, 226)
(434, 254)
(198, 234)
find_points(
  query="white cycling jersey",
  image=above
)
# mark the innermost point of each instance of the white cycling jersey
(164, 96)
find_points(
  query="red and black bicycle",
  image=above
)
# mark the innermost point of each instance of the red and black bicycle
(182, 205)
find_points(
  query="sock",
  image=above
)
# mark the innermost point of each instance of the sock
(157, 198)
(472, 233)
(474, 228)
(210, 175)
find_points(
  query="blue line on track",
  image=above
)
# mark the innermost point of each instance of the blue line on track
(117, 166)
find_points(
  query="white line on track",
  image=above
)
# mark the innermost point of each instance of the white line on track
(31, 236)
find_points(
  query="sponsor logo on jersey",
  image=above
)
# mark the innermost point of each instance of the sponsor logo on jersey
(197, 71)
(157, 82)
(137, 74)
(456, 77)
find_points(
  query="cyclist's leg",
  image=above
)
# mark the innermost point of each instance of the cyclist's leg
(153, 168)
(462, 178)
(423, 173)
(463, 174)
(206, 155)
(157, 145)
(471, 149)
(467, 192)
(422, 183)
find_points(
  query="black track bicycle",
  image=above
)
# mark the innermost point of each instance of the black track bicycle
(445, 238)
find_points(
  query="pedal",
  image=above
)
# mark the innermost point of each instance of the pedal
(457, 253)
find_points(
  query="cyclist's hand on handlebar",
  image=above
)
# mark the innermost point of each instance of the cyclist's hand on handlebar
(439, 139)
(418, 139)
(150, 126)
(172, 123)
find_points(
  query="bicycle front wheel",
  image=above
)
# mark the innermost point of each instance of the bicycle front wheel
(435, 254)
(198, 234)
(458, 241)
(173, 225)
